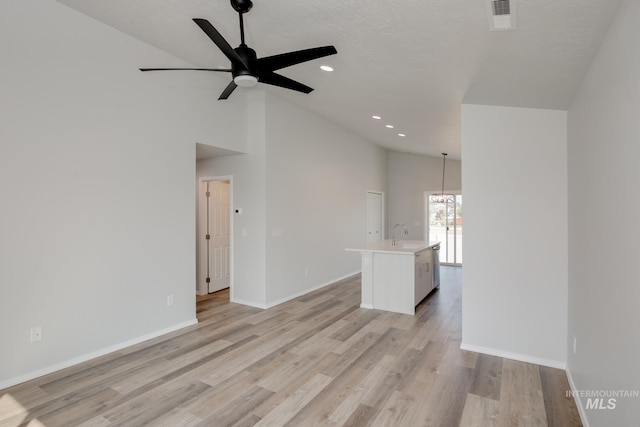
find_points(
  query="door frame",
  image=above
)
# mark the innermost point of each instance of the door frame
(201, 230)
(382, 213)
(425, 205)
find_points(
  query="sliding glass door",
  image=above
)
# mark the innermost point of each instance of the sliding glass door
(444, 219)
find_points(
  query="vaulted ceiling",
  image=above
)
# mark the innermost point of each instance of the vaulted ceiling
(413, 63)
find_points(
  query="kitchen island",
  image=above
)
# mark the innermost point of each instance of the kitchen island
(396, 277)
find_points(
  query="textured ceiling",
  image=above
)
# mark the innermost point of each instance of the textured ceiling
(411, 62)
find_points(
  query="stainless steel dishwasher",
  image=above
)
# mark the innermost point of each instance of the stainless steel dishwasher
(436, 265)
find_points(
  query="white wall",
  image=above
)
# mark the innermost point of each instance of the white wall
(97, 164)
(317, 178)
(303, 176)
(515, 233)
(604, 226)
(410, 175)
(249, 193)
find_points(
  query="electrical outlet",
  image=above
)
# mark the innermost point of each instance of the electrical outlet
(306, 271)
(169, 300)
(575, 345)
(36, 333)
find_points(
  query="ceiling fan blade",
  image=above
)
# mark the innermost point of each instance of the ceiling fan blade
(225, 70)
(276, 62)
(285, 82)
(227, 91)
(222, 44)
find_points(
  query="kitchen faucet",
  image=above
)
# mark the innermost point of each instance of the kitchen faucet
(393, 239)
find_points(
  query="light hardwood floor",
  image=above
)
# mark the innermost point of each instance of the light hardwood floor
(316, 360)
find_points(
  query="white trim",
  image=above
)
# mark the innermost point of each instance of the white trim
(367, 306)
(248, 303)
(296, 295)
(315, 288)
(576, 397)
(514, 356)
(199, 227)
(81, 359)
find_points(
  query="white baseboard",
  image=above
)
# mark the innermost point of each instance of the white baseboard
(368, 306)
(249, 303)
(315, 288)
(576, 397)
(296, 295)
(515, 356)
(85, 357)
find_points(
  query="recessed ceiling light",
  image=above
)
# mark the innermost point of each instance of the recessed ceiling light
(376, 117)
(326, 68)
(401, 134)
(389, 126)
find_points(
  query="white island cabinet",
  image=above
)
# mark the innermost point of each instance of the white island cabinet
(396, 277)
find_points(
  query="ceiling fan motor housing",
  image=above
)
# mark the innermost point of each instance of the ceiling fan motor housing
(249, 57)
(241, 6)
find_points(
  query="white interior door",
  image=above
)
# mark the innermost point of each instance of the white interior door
(218, 236)
(375, 210)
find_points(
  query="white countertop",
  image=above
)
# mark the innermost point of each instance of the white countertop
(408, 247)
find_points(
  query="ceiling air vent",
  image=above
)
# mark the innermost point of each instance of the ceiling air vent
(501, 7)
(502, 14)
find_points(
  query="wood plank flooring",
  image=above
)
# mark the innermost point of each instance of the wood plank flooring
(318, 360)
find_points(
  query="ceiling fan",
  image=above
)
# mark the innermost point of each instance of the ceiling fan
(246, 68)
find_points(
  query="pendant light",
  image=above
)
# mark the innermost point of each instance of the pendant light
(441, 198)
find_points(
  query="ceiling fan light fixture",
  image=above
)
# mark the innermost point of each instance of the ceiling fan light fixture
(245, 81)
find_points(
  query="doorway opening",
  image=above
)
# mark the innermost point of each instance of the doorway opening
(444, 224)
(215, 236)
